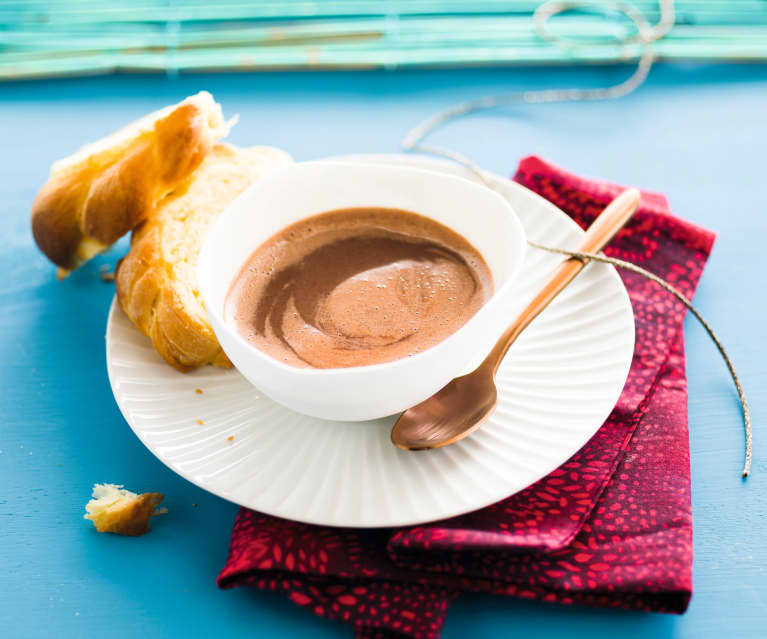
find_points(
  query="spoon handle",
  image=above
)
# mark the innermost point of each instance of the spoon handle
(603, 229)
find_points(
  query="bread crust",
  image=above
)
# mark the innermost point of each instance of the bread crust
(157, 282)
(96, 196)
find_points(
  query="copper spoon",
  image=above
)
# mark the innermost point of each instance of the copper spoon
(465, 403)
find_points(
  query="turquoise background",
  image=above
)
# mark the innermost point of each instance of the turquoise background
(696, 133)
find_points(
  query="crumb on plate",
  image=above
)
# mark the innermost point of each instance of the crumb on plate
(198, 391)
(230, 438)
(116, 510)
(200, 422)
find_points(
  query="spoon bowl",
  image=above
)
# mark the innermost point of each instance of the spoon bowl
(446, 417)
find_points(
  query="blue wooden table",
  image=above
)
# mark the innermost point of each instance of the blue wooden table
(697, 134)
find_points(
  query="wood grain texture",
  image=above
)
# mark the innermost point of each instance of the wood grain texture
(696, 134)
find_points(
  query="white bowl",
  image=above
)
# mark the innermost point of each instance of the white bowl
(298, 191)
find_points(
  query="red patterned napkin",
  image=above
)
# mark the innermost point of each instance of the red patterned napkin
(611, 527)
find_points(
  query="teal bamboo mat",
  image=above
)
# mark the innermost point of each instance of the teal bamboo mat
(73, 37)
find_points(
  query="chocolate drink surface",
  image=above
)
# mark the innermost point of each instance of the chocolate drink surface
(355, 287)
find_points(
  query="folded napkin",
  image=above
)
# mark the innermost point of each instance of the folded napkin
(611, 527)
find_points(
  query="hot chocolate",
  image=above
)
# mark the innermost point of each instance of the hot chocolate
(356, 287)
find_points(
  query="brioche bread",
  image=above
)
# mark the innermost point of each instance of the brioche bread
(107, 188)
(116, 510)
(157, 282)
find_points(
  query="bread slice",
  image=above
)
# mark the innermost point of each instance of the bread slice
(116, 510)
(107, 188)
(157, 281)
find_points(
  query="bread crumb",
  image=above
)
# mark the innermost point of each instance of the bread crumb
(106, 274)
(116, 510)
(198, 391)
(230, 438)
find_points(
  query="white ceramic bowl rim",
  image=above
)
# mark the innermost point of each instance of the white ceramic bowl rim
(392, 366)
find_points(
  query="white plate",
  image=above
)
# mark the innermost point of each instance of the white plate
(558, 384)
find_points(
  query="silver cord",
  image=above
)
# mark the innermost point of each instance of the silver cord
(629, 266)
(644, 37)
